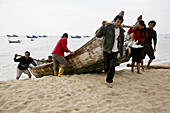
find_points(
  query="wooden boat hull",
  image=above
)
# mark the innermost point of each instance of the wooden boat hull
(88, 58)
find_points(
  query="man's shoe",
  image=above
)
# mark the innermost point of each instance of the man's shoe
(110, 85)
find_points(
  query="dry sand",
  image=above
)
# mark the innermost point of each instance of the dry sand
(148, 92)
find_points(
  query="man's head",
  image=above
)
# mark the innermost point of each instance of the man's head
(118, 21)
(140, 24)
(27, 54)
(65, 35)
(151, 24)
(49, 58)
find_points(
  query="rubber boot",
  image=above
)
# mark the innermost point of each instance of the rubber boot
(55, 73)
(60, 73)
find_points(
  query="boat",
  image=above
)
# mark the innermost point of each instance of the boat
(75, 36)
(88, 58)
(18, 41)
(12, 35)
(44, 36)
(32, 36)
(14, 40)
(86, 36)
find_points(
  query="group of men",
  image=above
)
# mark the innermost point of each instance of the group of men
(113, 43)
(113, 38)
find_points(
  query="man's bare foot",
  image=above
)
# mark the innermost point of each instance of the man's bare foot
(148, 67)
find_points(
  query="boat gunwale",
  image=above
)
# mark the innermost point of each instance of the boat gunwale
(83, 46)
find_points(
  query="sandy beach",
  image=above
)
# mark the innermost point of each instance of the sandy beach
(148, 92)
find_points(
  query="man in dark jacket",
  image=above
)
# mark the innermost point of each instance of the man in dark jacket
(148, 49)
(113, 40)
(24, 63)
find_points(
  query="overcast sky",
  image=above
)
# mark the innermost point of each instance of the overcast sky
(54, 17)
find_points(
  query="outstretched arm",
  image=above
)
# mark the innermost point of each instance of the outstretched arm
(33, 63)
(131, 30)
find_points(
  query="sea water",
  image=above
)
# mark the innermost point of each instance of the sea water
(42, 48)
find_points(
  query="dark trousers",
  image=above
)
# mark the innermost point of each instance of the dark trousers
(109, 65)
(136, 54)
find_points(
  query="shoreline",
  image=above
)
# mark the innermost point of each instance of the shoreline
(131, 92)
(123, 66)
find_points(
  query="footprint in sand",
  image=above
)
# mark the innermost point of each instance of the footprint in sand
(40, 96)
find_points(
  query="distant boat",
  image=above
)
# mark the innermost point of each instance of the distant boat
(12, 35)
(86, 36)
(32, 36)
(17, 41)
(76, 36)
(44, 36)
(14, 40)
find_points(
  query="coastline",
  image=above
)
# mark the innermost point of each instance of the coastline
(131, 92)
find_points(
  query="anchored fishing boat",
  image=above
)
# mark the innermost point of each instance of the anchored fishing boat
(75, 36)
(32, 36)
(12, 35)
(44, 36)
(86, 36)
(14, 40)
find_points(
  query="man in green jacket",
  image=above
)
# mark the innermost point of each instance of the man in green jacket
(113, 42)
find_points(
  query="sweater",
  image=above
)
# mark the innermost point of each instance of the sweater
(61, 47)
(151, 35)
(24, 63)
(137, 35)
